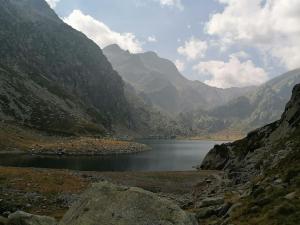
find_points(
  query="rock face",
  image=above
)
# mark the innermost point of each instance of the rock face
(22, 218)
(264, 169)
(52, 77)
(262, 149)
(105, 203)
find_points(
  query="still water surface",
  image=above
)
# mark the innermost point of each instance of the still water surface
(166, 155)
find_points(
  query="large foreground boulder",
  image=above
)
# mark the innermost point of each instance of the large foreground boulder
(108, 204)
(22, 218)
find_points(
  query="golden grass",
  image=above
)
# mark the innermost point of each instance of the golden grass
(34, 180)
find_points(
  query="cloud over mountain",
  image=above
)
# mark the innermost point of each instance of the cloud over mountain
(101, 33)
(52, 3)
(193, 48)
(233, 73)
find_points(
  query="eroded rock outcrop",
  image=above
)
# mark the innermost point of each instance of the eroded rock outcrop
(261, 149)
(106, 203)
(264, 170)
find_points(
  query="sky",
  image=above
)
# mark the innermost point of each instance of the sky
(223, 43)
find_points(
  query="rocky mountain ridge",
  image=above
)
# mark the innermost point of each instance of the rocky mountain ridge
(243, 114)
(161, 84)
(52, 76)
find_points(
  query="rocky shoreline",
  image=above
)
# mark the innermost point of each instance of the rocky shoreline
(83, 146)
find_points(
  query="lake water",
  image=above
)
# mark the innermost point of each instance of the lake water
(166, 155)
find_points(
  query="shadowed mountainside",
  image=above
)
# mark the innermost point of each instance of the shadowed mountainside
(53, 77)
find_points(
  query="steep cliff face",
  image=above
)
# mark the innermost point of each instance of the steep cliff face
(262, 149)
(52, 76)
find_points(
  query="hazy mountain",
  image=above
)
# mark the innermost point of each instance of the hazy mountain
(159, 81)
(53, 77)
(261, 107)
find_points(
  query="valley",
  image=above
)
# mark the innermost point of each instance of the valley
(92, 133)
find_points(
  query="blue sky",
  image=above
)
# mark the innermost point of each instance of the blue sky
(210, 40)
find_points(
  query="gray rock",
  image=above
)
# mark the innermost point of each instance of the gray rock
(278, 181)
(205, 213)
(210, 202)
(290, 196)
(224, 209)
(232, 209)
(117, 205)
(22, 218)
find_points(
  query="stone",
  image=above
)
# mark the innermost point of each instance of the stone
(290, 196)
(254, 209)
(119, 205)
(224, 209)
(278, 181)
(205, 213)
(263, 201)
(232, 208)
(210, 202)
(23, 218)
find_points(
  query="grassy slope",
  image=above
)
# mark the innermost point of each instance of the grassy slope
(267, 203)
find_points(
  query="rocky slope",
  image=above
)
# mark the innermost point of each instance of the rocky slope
(263, 106)
(160, 83)
(53, 77)
(264, 168)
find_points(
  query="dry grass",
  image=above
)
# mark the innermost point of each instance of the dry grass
(49, 184)
(35, 180)
(14, 137)
(221, 136)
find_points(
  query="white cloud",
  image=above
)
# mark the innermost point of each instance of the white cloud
(233, 73)
(152, 39)
(172, 3)
(100, 33)
(193, 49)
(52, 3)
(180, 65)
(240, 55)
(272, 26)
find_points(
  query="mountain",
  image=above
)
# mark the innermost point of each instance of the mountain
(265, 168)
(161, 84)
(52, 77)
(262, 106)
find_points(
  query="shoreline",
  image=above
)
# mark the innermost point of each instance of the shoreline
(82, 146)
(52, 191)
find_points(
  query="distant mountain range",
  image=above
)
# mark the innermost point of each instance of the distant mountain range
(261, 107)
(54, 79)
(161, 84)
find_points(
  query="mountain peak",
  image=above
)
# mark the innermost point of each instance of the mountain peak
(114, 48)
(150, 54)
